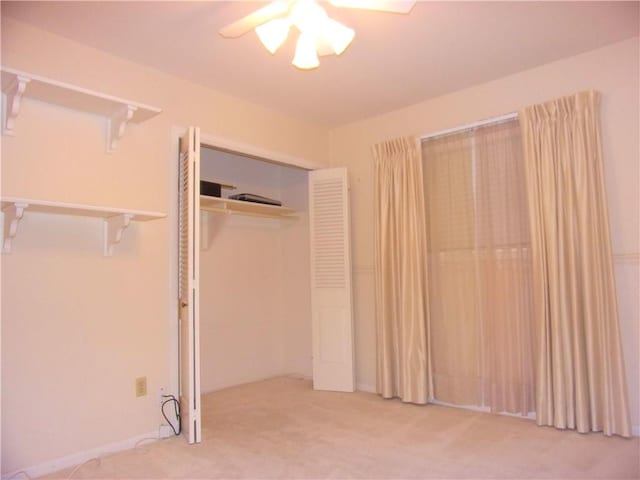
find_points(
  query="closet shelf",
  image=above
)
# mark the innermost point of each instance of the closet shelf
(238, 207)
(119, 112)
(116, 220)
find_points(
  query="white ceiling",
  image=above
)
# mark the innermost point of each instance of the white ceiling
(394, 61)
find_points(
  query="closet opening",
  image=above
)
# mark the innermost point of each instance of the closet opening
(255, 305)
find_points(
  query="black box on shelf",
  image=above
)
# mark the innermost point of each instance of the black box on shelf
(210, 189)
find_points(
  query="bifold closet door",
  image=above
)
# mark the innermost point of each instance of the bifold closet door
(331, 299)
(189, 266)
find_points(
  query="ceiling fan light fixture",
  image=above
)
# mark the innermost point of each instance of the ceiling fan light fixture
(319, 34)
(338, 36)
(273, 33)
(306, 56)
(308, 16)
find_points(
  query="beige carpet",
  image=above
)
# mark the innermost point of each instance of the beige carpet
(281, 428)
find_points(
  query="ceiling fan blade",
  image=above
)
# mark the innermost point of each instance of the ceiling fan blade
(394, 6)
(251, 21)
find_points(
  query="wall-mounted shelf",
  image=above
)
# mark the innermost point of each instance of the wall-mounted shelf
(119, 112)
(227, 205)
(115, 219)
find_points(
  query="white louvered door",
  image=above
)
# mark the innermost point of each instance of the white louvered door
(331, 299)
(189, 266)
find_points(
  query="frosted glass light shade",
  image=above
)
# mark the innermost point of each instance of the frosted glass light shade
(319, 34)
(308, 16)
(273, 33)
(306, 56)
(338, 36)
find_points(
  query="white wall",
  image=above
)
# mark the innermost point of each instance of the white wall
(296, 271)
(613, 71)
(254, 321)
(78, 328)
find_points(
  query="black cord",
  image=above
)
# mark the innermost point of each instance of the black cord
(176, 407)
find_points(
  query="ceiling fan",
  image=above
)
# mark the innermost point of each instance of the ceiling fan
(319, 34)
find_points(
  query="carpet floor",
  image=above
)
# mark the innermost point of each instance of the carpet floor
(282, 429)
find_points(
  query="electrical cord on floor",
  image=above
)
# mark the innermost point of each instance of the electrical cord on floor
(97, 459)
(21, 472)
(176, 407)
(144, 440)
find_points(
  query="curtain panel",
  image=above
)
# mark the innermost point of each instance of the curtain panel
(580, 373)
(479, 269)
(402, 321)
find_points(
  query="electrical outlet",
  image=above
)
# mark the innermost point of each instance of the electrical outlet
(161, 395)
(141, 386)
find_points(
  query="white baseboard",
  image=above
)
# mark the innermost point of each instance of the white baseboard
(475, 408)
(363, 387)
(81, 457)
(246, 381)
(360, 387)
(635, 429)
(300, 376)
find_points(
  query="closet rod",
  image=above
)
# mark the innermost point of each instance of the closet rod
(470, 126)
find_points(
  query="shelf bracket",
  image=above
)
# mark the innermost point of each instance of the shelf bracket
(12, 216)
(113, 228)
(14, 92)
(117, 124)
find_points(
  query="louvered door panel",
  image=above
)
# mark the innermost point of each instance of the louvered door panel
(328, 235)
(189, 264)
(331, 302)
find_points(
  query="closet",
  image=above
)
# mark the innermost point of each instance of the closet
(254, 275)
(264, 290)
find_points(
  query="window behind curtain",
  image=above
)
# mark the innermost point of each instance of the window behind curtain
(479, 269)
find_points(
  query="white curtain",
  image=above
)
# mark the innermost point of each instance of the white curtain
(402, 321)
(480, 269)
(580, 372)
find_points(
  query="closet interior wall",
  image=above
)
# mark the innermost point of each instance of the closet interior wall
(255, 311)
